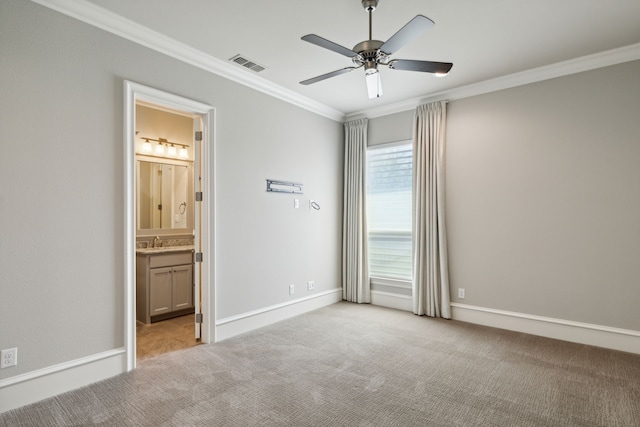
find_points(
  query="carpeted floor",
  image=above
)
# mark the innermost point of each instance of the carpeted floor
(355, 365)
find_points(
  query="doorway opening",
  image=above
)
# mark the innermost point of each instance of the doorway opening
(168, 256)
(165, 230)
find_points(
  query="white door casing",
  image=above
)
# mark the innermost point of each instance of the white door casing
(204, 117)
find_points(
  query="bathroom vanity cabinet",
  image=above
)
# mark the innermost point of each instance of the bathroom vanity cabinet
(164, 284)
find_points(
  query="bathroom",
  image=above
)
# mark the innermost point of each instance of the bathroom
(165, 224)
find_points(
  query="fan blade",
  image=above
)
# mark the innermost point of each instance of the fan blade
(327, 76)
(423, 66)
(319, 41)
(409, 32)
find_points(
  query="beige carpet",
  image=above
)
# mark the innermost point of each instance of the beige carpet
(354, 365)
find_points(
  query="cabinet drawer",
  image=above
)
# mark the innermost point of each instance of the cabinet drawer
(166, 260)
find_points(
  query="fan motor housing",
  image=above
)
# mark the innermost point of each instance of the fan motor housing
(368, 46)
(369, 51)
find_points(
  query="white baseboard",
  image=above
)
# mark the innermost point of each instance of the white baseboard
(245, 322)
(567, 330)
(43, 383)
(387, 299)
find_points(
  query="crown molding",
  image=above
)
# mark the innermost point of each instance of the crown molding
(106, 20)
(96, 16)
(564, 68)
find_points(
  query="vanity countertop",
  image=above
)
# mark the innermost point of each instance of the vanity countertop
(164, 250)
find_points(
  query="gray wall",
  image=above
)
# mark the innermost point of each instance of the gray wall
(391, 128)
(62, 177)
(543, 198)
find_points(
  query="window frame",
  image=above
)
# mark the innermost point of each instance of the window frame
(379, 282)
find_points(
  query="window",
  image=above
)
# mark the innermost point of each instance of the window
(389, 182)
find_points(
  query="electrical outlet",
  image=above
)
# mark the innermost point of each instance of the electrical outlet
(292, 289)
(8, 358)
(311, 285)
(461, 293)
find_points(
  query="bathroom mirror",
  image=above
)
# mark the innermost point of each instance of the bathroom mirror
(163, 196)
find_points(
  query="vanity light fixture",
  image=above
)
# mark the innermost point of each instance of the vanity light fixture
(165, 148)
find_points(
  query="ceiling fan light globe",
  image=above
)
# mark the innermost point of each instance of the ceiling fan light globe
(374, 85)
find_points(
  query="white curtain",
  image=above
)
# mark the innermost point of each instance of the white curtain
(430, 267)
(355, 269)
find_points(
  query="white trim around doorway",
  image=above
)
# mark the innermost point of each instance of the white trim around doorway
(134, 92)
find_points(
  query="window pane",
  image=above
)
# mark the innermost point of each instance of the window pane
(389, 176)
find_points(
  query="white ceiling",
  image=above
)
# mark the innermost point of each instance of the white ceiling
(484, 39)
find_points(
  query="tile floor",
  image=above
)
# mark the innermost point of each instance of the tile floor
(165, 336)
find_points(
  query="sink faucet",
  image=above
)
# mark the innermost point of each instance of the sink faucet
(156, 240)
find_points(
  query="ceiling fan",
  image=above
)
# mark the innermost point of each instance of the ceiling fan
(371, 53)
